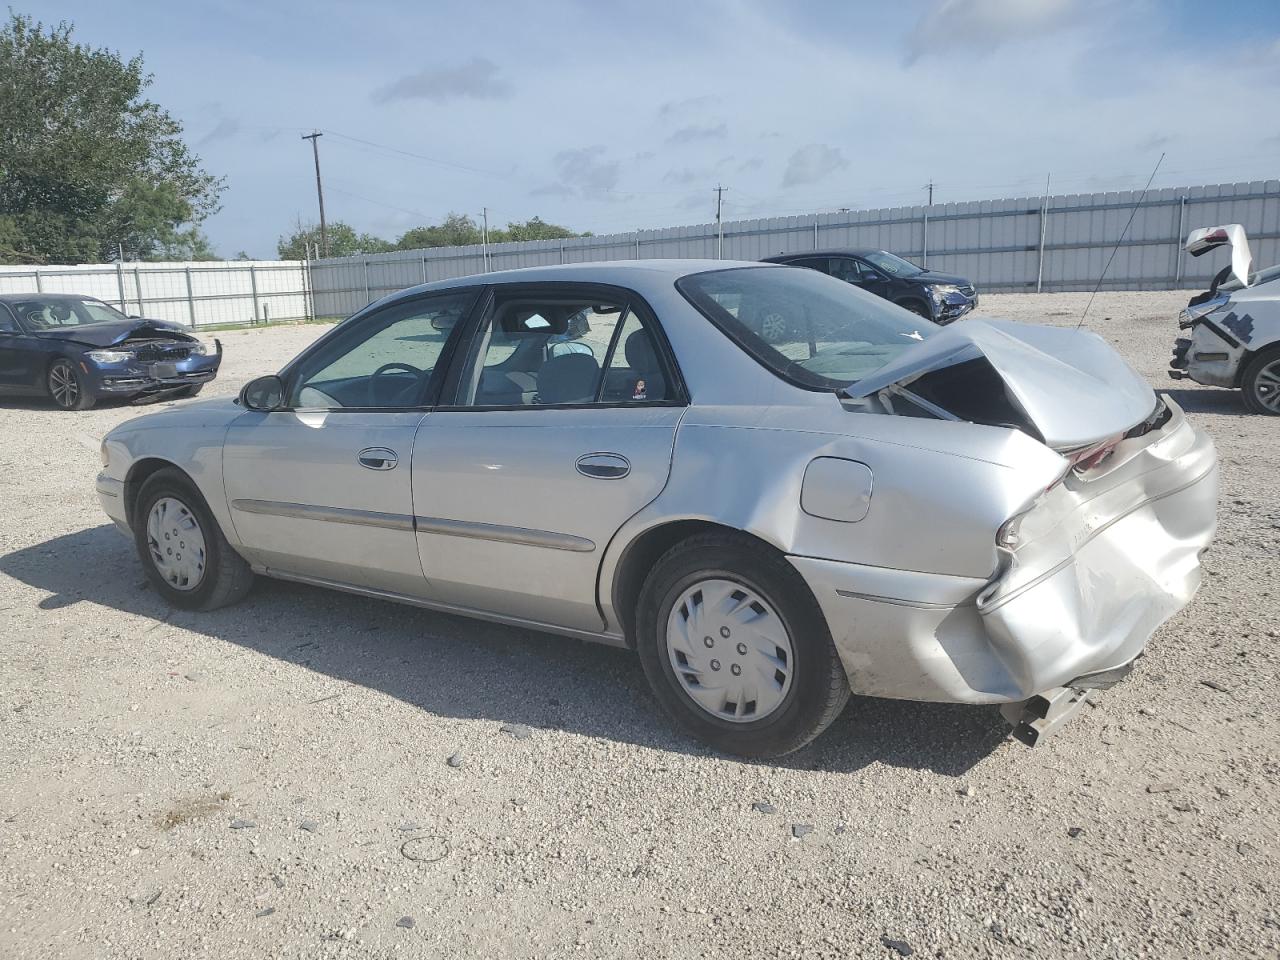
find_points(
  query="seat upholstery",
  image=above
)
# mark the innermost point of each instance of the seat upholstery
(568, 378)
(642, 358)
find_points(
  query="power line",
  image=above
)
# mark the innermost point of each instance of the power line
(420, 156)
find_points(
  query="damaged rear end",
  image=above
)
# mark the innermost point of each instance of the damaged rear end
(1095, 559)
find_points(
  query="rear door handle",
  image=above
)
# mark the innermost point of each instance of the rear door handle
(604, 466)
(378, 458)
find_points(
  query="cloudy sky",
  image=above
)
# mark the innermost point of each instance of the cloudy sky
(620, 115)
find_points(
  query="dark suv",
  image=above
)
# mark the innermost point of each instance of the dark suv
(939, 297)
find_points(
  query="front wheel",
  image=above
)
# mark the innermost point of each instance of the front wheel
(917, 307)
(182, 547)
(1261, 383)
(66, 386)
(736, 648)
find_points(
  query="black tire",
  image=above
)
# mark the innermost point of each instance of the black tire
(819, 687)
(226, 577)
(918, 307)
(1256, 383)
(66, 387)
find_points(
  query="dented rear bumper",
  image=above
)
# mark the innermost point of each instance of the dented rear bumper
(1100, 565)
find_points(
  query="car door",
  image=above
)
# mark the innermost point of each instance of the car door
(565, 411)
(321, 489)
(862, 274)
(20, 355)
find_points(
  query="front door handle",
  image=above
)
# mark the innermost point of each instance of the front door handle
(604, 466)
(378, 458)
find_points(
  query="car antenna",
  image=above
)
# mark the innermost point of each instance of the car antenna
(1123, 233)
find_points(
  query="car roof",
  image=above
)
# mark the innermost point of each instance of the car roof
(838, 252)
(633, 274)
(26, 297)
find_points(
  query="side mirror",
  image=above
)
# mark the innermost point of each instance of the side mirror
(264, 394)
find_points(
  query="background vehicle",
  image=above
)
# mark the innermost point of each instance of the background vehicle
(1235, 324)
(762, 521)
(76, 350)
(940, 297)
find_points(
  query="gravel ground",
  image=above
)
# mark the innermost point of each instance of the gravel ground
(316, 775)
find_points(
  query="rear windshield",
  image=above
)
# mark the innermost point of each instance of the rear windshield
(811, 329)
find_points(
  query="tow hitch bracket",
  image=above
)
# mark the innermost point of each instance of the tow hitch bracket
(1043, 714)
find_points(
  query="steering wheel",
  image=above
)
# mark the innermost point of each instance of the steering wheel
(387, 368)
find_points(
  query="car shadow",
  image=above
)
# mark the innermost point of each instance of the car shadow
(1211, 400)
(470, 669)
(46, 403)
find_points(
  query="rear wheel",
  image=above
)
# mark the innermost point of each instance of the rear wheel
(736, 648)
(1261, 383)
(66, 386)
(182, 547)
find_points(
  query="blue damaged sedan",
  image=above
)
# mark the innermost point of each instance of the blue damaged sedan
(77, 350)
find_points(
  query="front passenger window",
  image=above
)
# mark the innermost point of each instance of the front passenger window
(850, 271)
(387, 360)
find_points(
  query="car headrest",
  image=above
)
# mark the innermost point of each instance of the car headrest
(639, 351)
(568, 378)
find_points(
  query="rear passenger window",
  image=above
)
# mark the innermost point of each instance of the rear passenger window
(635, 373)
(563, 351)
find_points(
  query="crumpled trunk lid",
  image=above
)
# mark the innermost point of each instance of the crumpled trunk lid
(1065, 387)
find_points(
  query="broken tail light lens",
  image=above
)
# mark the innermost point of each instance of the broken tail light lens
(1084, 460)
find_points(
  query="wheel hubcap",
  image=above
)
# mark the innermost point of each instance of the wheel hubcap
(773, 326)
(730, 651)
(63, 385)
(176, 543)
(1266, 386)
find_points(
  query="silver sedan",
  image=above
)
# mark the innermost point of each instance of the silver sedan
(986, 513)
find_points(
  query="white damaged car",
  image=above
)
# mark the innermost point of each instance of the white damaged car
(1235, 324)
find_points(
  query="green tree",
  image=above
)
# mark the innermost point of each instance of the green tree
(537, 229)
(457, 230)
(87, 163)
(343, 241)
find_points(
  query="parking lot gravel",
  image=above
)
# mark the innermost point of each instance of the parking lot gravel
(316, 775)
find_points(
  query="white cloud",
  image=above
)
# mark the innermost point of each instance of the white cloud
(813, 163)
(477, 79)
(951, 25)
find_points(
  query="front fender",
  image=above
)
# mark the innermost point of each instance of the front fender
(189, 438)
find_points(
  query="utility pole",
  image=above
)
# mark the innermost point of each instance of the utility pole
(314, 137)
(484, 238)
(929, 186)
(719, 221)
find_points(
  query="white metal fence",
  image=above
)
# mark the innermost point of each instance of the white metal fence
(1053, 243)
(1049, 243)
(196, 294)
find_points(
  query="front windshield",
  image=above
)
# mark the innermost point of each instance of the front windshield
(54, 314)
(809, 328)
(894, 266)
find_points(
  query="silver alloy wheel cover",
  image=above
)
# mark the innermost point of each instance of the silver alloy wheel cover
(176, 543)
(63, 385)
(729, 650)
(773, 327)
(1266, 386)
